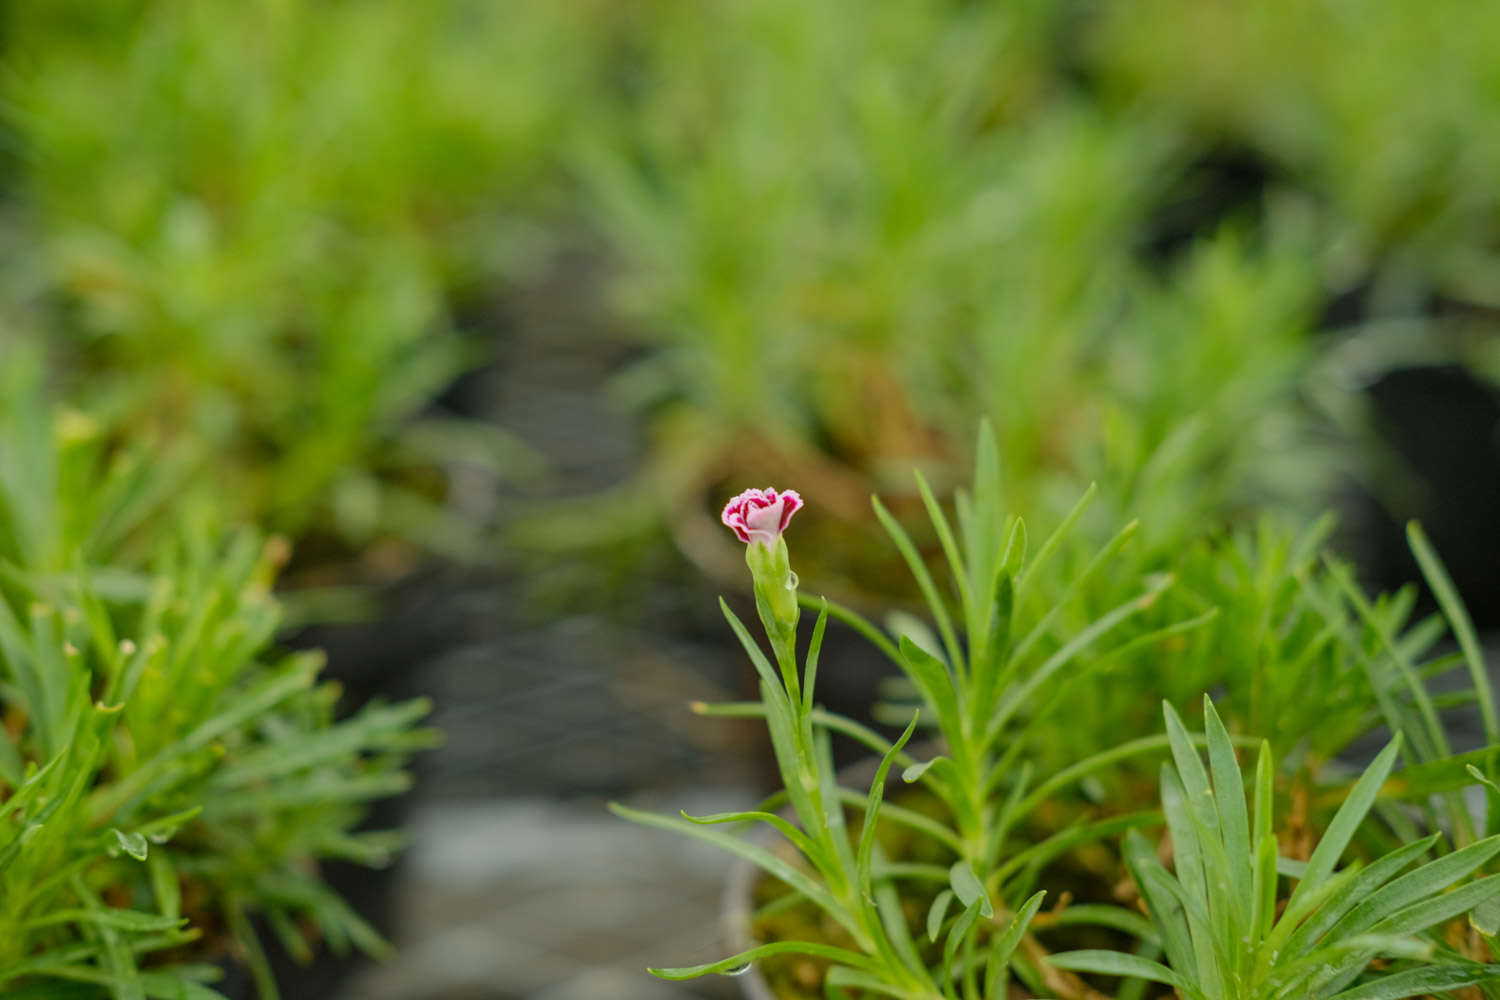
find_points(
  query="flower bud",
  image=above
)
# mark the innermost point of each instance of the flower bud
(758, 517)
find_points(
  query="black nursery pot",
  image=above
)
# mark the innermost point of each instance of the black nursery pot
(1441, 425)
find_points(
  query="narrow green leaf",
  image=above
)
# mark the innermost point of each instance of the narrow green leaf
(1070, 837)
(787, 830)
(752, 649)
(915, 772)
(33, 787)
(1166, 909)
(1290, 867)
(169, 985)
(106, 916)
(1431, 979)
(913, 870)
(908, 818)
(1018, 695)
(934, 681)
(1293, 916)
(1229, 798)
(1331, 847)
(1485, 917)
(1192, 879)
(1458, 619)
(320, 788)
(854, 620)
(814, 650)
(1445, 906)
(950, 546)
(1197, 795)
(1263, 877)
(1450, 774)
(1355, 895)
(1106, 915)
(957, 934)
(102, 924)
(297, 675)
(840, 976)
(1428, 880)
(375, 727)
(1263, 888)
(987, 657)
(1433, 737)
(1008, 815)
(969, 889)
(730, 965)
(937, 911)
(1155, 636)
(1332, 966)
(902, 623)
(1103, 760)
(984, 516)
(795, 761)
(161, 829)
(923, 578)
(1114, 963)
(1004, 945)
(12, 772)
(1055, 539)
(872, 810)
(1014, 555)
(767, 861)
(1479, 776)
(1265, 776)
(132, 844)
(1074, 586)
(888, 901)
(165, 887)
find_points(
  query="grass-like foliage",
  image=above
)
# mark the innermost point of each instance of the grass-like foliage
(165, 776)
(1026, 649)
(254, 248)
(1229, 933)
(979, 681)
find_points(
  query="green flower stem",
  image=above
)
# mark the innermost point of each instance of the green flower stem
(803, 764)
(776, 602)
(976, 840)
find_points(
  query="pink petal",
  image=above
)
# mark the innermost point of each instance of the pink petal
(760, 515)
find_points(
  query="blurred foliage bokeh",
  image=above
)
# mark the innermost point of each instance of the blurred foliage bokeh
(837, 234)
(250, 225)
(248, 250)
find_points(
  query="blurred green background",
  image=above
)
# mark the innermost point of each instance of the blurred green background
(527, 289)
(1161, 247)
(1158, 246)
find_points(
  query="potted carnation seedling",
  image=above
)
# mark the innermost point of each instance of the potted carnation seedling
(170, 784)
(1007, 863)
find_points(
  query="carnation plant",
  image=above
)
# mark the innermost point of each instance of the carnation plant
(168, 779)
(257, 249)
(1228, 931)
(1234, 910)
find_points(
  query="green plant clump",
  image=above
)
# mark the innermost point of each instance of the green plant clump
(944, 228)
(166, 778)
(1377, 885)
(247, 226)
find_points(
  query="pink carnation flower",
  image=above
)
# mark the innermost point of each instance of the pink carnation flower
(761, 515)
